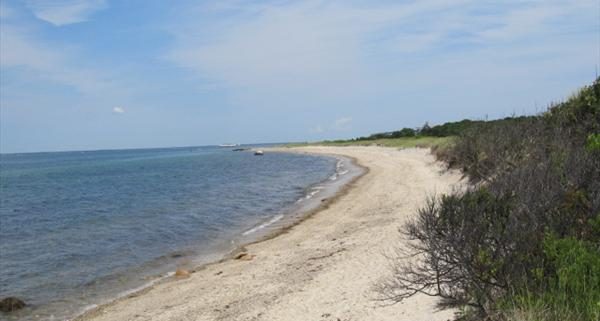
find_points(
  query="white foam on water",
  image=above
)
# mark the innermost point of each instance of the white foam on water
(124, 294)
(313, 192)
(262, 226)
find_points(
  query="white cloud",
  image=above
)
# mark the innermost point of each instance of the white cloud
(118, 110)
(341, 49)
(342, 123)
(39, 60)
(64, 12)
(285, 48)
(315, 53)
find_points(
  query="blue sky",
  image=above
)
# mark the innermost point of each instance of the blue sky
(96, 74)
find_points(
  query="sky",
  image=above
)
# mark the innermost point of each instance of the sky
(108, 74)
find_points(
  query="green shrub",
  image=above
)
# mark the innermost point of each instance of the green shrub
(525, 238)
(593, 142)
(569, 289)
(574, 277)
(533, 307)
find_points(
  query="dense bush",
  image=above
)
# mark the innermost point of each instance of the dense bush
(527, 229)
(570, 292)
(458, 259)
(574, 276)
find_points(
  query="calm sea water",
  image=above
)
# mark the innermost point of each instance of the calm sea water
(77, 228)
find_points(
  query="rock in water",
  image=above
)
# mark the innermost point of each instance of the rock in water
(11, 304)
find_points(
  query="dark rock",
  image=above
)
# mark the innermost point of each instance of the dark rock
(11, 304)
(176, 255)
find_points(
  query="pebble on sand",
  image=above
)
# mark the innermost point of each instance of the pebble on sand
(244, 256)
(182, 274)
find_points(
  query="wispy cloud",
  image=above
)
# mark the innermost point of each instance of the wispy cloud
(21, 48)
(335, 49)
(287, 48)
(64, 12)
(118, 110)
(342, 123)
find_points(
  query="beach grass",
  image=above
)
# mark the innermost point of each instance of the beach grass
(402, 142)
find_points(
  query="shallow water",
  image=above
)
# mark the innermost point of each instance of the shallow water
(79, 227)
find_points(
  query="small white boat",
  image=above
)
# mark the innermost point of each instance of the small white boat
(259, 153)
(229, 145)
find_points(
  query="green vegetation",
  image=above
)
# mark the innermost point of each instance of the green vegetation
(444, 130)
(572, 292)
(404, 142)
(593, 143)
(439, 138)
(523, 241)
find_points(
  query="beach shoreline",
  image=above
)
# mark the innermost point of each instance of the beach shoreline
(206, 294)
(291, 216)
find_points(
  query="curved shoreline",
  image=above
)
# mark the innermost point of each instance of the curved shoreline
(307, 214)
(270, 234)
(322, 269)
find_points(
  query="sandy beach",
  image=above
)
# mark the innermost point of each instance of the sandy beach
(321, 269)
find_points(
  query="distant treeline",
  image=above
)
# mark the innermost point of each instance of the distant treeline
(444, 130)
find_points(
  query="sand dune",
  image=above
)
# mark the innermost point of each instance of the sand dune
(321, 269)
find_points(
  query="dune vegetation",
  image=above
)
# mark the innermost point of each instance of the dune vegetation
(522, 241)
(398, 142)
(438, 137)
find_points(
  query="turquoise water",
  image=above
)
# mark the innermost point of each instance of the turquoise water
(80, 227)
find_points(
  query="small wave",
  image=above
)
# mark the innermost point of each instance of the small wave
(343, 172)
(262, 226)
(311, 194)
(123, 294)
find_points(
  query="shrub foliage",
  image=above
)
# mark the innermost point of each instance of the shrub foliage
(528, 225)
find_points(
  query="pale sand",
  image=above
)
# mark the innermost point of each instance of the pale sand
(321, 269)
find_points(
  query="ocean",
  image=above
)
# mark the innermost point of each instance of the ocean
(80, 228)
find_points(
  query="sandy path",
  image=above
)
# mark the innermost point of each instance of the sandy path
(322, 269)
